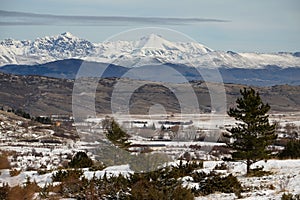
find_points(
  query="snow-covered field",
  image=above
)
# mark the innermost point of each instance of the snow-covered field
(30, 158)
(285, 178)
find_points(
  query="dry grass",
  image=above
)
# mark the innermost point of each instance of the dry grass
(4, 162)
(21, 193)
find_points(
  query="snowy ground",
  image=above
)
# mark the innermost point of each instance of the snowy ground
(285, 178)
(31, 157)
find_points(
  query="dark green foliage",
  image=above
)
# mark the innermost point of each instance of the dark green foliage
(253, 133)
(71, 184)
(291, 150)
(22, 113)
(80, 160)
(221, 166)
(258, 172)
(114, 133)
(62, 175)
(186, 169)
(98, 166)
(164, 183)
(210, 183)
(4, 192)
(43, 120)
(160, 184)
(156, 190)
(181, 193)
(290, 197)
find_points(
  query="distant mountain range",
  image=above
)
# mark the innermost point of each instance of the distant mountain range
(61, 56)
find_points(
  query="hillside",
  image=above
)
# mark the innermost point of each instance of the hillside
(68, 68)
(44, 96)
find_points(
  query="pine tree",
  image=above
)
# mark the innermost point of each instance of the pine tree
(253, 132)
(115, 133)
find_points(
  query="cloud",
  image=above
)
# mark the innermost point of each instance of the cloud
(10, 18)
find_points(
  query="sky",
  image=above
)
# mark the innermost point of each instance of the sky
(235, 25)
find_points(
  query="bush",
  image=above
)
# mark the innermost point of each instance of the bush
(43, 120)
(158, 185)
(291, 150)
(186, 169)
(290, 197)
(71, 184)
(80, 160)
(258, 172)
(14, 172)
(221, 166)
(63, 175)
(210, 183)
(22, 113)
(4, 191)
(97, 166)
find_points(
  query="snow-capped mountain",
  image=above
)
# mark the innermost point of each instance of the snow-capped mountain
(44, 49)
(150, 49)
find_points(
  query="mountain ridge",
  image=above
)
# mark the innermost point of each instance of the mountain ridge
(39, 95)
(68, 68)
(148, 49)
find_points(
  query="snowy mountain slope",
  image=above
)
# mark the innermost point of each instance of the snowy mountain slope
(151, 49)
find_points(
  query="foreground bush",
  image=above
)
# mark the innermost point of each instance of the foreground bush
(164, 183)
(211, 183)
(18, 192)
(290, 197)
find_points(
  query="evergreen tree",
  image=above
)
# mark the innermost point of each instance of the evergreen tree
(291, 150)
(115, 133)
(253, 132)
(80, 160)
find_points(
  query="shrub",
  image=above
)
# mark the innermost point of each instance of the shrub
(80, 160)
(258, 172)
(210, 183)
(62, 175)
(43, 120)
(4, 191)
(221, 166)
(14, 172)
(97, 166)
(291, 150)
(158, 185)
(290, 197)
(22, 113)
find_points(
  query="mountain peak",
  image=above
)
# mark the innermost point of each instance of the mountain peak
(148, 49)
(156, 42)
(68, 35)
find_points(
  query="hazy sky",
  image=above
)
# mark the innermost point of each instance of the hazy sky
(237, 25)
